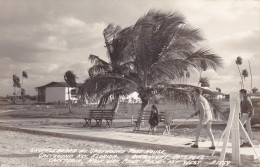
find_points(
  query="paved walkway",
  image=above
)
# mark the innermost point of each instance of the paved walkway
(163, 142)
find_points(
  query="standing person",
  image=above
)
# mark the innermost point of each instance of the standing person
(247, 111)
(203, 109)
(154, 118)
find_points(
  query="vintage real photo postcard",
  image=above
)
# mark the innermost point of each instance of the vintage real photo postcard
(129, 83)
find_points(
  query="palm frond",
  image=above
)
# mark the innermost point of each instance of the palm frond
(97, 85)
(182, 93)
(218, 108)
(171, 69)
(209, 59)
(96, 60)
(115, 93)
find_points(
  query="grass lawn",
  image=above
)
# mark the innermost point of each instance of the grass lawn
(125, 111)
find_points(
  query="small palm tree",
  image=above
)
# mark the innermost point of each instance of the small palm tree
(204, 82)
(244, 74)
(219, 90)
(255, 89)
(16, 84)
(70, 79)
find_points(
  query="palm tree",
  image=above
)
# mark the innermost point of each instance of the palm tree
(219, 90)
(153, 54)
(16, 84)
(244, 74)
(70, 79)
(251, 76)
(24, 75)
(204, 82)
(255, 90)
(239, 62)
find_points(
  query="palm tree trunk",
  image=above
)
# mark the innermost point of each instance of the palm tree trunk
(116, 105)
(69, 99)
(14, 100)
(241, 77)
(144, 105)
(21, 91)
(251, 76)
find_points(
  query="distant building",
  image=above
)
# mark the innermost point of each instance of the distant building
(56, 91)
(217, 96)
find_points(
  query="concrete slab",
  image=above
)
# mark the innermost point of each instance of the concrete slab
(169, 143)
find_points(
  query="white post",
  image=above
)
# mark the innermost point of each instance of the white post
(233, 109)
(235, 127)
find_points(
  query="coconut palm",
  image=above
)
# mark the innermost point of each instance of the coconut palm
(219, 90)
(251, 76)
(153, 54)
(70, 79)
(24, 75)
(255, 90)
(204, 82)
(244, 73)
(239, 62)
(16, 84)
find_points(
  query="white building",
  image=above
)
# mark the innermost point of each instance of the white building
(56, 91)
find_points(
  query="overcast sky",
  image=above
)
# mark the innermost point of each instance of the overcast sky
(47, 38)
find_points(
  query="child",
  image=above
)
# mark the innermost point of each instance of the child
(154, 118)
(167, 121)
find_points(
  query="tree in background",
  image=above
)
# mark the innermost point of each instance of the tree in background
(254, 90)
(16, 84)
(23, 94)
(244, 73)
(219, 90)
(251, 76)
(204, 82)
(70, 79)
(239, 62)
(24, 75)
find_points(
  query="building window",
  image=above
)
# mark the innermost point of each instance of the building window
(73, 92)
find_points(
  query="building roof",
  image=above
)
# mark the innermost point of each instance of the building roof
(56, 84)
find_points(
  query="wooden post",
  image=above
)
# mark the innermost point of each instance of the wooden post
(235, 103)
(233, 117)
